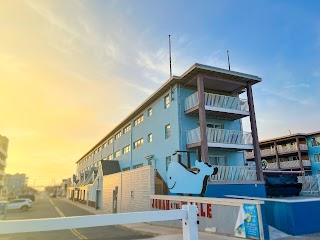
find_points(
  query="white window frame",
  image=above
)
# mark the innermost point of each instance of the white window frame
(315, 141)
(167, 101)
(150, 137)
(149, 112)
(219, 156)
(110, 157)
(127, 128)
(117, 154)
(138, 143)
(167, 131)
(168, 161)
(126, 149)
(138, 120)
(316, 157)
(118, 135)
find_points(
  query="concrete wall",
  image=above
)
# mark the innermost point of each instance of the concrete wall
(134, 190)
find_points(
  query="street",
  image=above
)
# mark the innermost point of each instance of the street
(46, 207)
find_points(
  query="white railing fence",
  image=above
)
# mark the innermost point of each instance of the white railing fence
(310, 185)
(215, 135)
(234, 173)
(222, 101)
(191, 101)
(188, 214)
(218, 101)
(290, 164)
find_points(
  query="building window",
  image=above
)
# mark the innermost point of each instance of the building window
(117, 136)
(138, 166)
(110, 157)
(138, 143)
(138, 120)
(110, 141)
(220, 160)
(315, 141)
(149, 112)
(167, 131)
(150, 137)
(316, 157)
(105, 144)
(126, 149)
(125, 169)
(168, 161)
(127, 129)
(166, 102)
(117, 153)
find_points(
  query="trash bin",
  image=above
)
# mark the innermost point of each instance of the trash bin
(3, 210)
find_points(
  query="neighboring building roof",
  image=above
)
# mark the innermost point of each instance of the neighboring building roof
(288, 137)
(186, 77)
(110, 167)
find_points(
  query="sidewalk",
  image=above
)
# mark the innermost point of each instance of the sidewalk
(171, 233)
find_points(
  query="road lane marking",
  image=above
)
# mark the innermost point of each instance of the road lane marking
(74, 231)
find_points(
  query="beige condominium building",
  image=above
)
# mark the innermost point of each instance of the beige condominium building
(3, 156)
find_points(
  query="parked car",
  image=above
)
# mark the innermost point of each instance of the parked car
(30, 196)
(20, 204)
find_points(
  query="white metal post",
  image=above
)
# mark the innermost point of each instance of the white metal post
(190, 225)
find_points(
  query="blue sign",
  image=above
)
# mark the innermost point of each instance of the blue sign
(251, 223)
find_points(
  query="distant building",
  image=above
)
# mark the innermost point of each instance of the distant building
(298, 153)
(3, 156)
(15, 184)
(194, 116)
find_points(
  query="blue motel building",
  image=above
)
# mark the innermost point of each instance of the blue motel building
(195, 116)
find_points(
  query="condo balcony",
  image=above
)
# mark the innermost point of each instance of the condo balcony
(221, 138)
(234, 173)
(218, 106)
(281, 150)
(3, 152)
(3, 163)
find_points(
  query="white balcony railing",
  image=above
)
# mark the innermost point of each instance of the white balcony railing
(306, 163)
(3, 152)
(191, 101)
(215, 135)
(290, 164)
(234, 173)
(272, 165)
(281, 150)
(218, 101)
(3, 162)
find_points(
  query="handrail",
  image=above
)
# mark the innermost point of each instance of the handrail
(188, 214)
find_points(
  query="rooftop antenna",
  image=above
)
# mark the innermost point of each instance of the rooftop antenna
(228, 59)
(170, 56)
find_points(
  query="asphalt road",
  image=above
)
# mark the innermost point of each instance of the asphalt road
(54, 207)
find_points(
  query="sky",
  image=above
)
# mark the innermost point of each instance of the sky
(71, 70)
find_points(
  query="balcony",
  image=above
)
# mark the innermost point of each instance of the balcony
(290, 164)
(3, 163)
(3, 152)
(291, 148)
(218, 106)
(221, 138)
(273, 165)
(234, 173)
(281, 150)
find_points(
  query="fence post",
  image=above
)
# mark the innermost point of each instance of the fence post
(190, 225)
